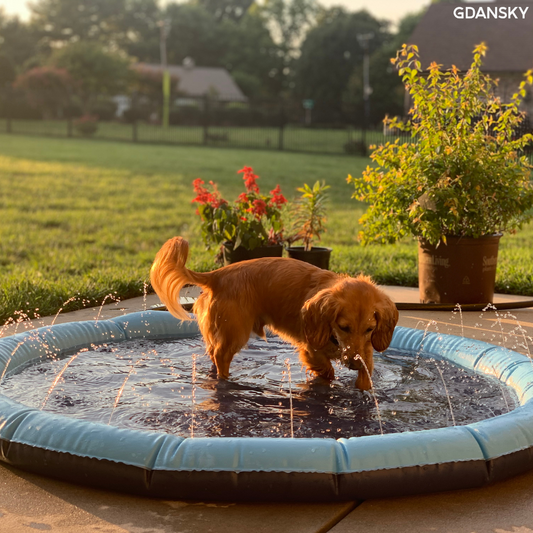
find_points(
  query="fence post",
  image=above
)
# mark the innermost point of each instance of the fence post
(134, 133)
(9, 100)
(69, 127)
(281, 126)
(206, 119)
(7, 104)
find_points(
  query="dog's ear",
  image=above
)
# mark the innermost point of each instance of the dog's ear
(318, 313)
(387, 318)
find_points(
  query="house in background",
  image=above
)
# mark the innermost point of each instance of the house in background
(447, 40)
(196, 81)
(193, 84)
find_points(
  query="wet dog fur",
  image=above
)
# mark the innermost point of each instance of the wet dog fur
(327, 316)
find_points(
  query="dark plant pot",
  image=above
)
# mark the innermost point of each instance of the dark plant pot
(463, 271)
(242, 254)
(317, 255)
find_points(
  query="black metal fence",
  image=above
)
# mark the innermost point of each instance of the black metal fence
(293, 126)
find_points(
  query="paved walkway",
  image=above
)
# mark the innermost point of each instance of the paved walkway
(29, 502)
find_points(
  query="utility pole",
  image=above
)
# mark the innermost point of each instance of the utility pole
(363, 40)
(164, 27)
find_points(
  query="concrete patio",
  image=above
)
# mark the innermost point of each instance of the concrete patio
(29, 502)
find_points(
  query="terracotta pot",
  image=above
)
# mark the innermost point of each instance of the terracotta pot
(317, 255)
(463, 271)
(242, 254)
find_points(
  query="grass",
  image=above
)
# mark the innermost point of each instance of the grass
(83, 219)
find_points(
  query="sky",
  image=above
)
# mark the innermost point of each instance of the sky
(392, 10)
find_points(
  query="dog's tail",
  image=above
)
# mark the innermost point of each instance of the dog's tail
(168, 275)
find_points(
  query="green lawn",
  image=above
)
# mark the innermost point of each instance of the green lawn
(84, 219)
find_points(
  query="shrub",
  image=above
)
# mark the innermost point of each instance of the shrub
(87, 125)
(465, 174)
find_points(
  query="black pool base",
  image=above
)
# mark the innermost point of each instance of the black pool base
(264, 486)
(252, 486)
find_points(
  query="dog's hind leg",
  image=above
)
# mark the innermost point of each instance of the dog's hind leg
(226, 332)
(222, 354)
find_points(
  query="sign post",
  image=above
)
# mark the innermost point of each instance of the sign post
(308, 105)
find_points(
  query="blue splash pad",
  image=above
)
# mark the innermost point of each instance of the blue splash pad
(313, 469)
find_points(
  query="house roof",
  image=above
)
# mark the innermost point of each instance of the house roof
(199, 81)
(448, 40)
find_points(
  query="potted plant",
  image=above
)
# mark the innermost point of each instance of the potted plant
(309, 223)
(248, 228)
(460, 183)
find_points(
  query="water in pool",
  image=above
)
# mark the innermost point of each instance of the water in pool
(169, 386)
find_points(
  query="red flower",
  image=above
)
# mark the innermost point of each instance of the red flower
(246, 170)
(277, 198)
(197, 184)
(243, 198)
(203, 196)
(249, 179)
(251, 217)
(259, 208)
(206, 197)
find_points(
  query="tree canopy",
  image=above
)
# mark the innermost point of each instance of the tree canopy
(290, 49)
(331, 51)
(95, 70)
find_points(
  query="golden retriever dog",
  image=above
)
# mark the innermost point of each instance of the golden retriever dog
(325, 315)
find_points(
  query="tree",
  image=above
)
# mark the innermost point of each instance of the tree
(388, 93)
(118, 23)
(46, 88)
(72, 20)
(95, 71)
(331, 52)
(18, 41)
(7, 72)
(195, 33)
(232, 34)
(244, 47)
(252, 57)
(7, 76)
(139, 29)
(288, 21)
(220, 9)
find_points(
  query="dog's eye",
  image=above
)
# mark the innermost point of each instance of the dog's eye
(346, 329)
(370, 330)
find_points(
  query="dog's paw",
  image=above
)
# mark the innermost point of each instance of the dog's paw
(320, 377)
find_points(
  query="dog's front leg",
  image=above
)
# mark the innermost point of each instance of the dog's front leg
(364, 377)
(317, 363)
